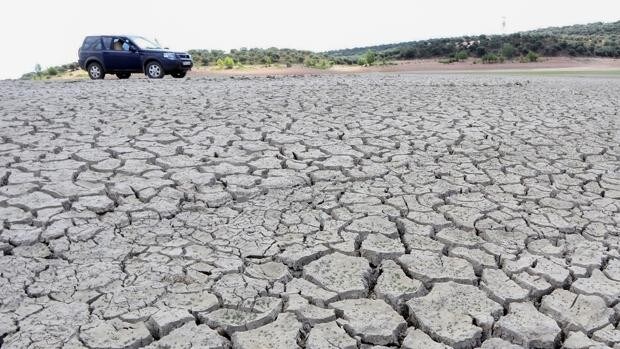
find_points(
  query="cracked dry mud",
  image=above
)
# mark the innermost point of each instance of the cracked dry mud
(376, 211)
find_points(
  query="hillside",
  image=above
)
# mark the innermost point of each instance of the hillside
(594, 39)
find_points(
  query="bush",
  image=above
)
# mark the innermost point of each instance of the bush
(532, 56)
(317, 62)
(408, 53)
(508, 51)
(481, 51)
(324, 64)
(362, 61)
(448, 60)
(228, 62)
(51, 71)
(461, 55)
(490, 58)
(370, 56)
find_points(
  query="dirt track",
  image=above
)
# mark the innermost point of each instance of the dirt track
(407, 211)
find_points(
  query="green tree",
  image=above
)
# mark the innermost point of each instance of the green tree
(508, 51)
(51, 71)
(317, 62)
(461, 55)
(229, 62)
(370, 57)
(532, 56)
(37, 70)
(490, 58)
(309, 61)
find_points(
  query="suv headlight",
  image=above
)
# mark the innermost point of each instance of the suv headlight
(170, 55)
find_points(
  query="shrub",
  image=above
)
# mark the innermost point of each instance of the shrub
(532, 56)
(481, 51)
(447, 60)
(229, 63)
(317, 62)
(490, 58)
(362, 61)
(461, 55)
(370, 56)
(324, 64)
(508, 51)
(408, 53)
(51, 71)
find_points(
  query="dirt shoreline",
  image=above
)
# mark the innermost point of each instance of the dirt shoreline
(425, 66)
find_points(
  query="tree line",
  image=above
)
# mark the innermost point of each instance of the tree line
(258, 56)
(595, 39)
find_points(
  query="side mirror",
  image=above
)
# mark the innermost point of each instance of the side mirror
(133, 48)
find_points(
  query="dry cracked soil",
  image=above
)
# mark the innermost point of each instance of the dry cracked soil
(370, 211)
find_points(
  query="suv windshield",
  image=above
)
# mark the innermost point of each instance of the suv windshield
(144, 44)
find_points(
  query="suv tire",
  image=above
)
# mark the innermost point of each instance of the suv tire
(95, 71)
(154, 70)
(179, 74)
(123, 75)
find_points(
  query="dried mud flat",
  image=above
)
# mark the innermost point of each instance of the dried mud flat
(374, 211)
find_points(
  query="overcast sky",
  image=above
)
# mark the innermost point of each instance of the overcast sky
(50, 32)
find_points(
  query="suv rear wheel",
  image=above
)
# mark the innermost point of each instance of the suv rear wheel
(123, 75)
(154, 70)
(95, 71)
(179, 74)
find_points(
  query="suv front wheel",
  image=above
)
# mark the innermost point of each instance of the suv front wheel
(95, 71)
(154, 70)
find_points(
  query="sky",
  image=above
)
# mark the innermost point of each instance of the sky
(49, 32)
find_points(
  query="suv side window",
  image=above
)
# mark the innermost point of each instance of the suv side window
(97, 46)
(120, 44)
(92, 43)
(107, 43)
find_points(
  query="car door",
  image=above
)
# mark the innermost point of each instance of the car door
(91, 48)
(119, 57)
(133, 61)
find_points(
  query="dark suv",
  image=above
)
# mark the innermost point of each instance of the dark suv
(123, 55)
